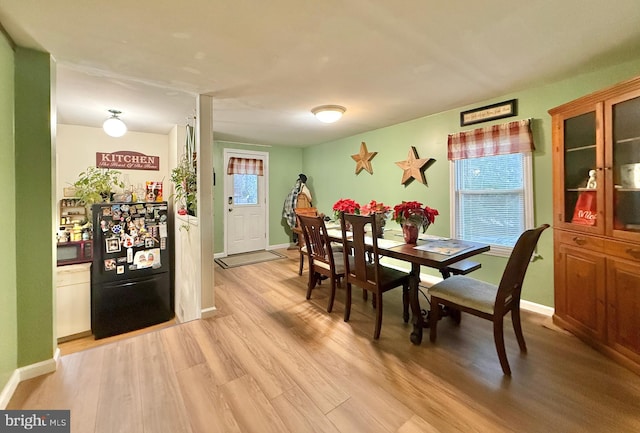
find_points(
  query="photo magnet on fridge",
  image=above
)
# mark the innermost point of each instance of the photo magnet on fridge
(113, 245)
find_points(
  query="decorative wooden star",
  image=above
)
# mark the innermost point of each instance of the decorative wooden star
(414, 167)
(363, 159)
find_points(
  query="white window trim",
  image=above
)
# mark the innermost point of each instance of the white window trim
(497, 250)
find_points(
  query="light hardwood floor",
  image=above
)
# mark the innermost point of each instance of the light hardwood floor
(271, 361)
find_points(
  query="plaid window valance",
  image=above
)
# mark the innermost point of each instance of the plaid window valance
(245, 166)
(512, 137)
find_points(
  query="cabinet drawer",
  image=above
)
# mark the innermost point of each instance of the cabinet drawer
(623, 250)
(580, 240)
(73, 274)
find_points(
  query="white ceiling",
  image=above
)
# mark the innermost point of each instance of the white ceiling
(267, 63)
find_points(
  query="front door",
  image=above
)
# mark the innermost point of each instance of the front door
(245, 202)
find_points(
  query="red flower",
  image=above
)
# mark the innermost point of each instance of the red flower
(345, 205)
(413, 212)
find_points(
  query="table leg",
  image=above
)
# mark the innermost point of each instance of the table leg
(414, 281)
(455, 314)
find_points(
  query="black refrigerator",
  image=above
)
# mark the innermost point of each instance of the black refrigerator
(131, 281)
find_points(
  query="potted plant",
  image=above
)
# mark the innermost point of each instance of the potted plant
(412, 216)
(185, 186)
(345, 205)
(95, 185)
(381, 212)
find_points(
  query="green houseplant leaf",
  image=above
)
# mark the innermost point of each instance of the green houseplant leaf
(95, 185)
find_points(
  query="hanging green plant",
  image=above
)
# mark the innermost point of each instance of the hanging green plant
(185, 186)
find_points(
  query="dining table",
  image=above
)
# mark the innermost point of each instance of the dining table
(431, 251)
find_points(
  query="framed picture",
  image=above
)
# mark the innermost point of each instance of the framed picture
(489, 112)
(113, 245)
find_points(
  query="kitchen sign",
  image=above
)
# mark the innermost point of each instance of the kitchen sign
(127, 160)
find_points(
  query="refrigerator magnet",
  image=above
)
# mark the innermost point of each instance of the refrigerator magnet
(113, 245)
(127, 241)
(120, 269)
(110, 265)
(129, 255)
(148, 243)
(122, 259)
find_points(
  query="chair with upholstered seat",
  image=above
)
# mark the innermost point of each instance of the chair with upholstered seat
(491, 302)
(323, 260)
(365, 270)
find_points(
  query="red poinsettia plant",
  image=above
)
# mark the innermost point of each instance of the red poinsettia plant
(374, 207)
(412, 212)
(345, 205)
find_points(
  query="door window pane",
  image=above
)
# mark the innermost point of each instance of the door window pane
(245, 189)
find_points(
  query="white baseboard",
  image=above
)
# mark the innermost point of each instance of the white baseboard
(536, 308)
(39, 368)
(208, 312)
(279, 246)
(9, 389)
(25, 373)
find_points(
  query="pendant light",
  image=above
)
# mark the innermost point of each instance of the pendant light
(328, 113)
(113, 126)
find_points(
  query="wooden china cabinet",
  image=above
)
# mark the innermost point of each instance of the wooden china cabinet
(597, 219)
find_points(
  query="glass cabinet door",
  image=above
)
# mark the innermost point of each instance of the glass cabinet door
(583, 198)
(623, 159)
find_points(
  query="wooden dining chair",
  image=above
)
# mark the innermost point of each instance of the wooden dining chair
(302, 248)
(491, 302)
(365, 270)
(323, 260)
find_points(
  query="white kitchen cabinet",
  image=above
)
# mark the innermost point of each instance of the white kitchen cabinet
(73, 301)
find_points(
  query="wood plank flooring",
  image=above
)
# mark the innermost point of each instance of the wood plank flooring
(271, 361)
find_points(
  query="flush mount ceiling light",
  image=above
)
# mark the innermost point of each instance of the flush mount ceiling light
(113, 126)
(329, 113)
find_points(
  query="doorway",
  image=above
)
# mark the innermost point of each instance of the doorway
(246, 198)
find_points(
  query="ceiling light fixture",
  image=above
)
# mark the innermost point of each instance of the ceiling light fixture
(328, 113)
(113, 126)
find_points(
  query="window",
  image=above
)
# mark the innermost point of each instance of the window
(245, 173)
(492, 185)
(245, 189)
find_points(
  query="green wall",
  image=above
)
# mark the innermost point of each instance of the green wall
(285, 164)
(8, 312)
(332, 178)
(35, 169)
